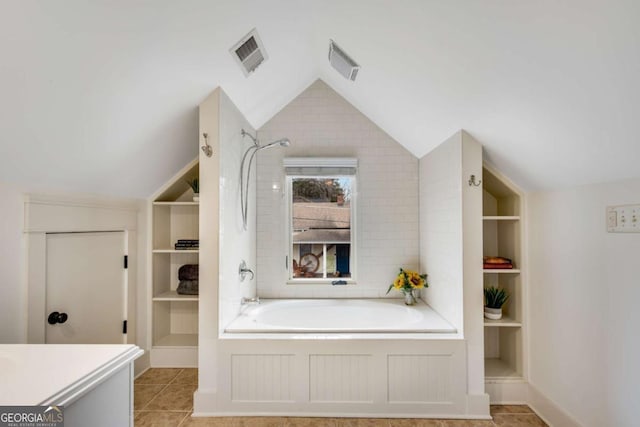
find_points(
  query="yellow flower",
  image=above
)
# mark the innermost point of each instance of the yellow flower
(415, 280)
(407, 280)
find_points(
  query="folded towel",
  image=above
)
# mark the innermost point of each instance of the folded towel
(188, 272)
(497, 266)
(496, 260)
(188, 287)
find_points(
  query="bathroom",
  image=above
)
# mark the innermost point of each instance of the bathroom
(103, 109)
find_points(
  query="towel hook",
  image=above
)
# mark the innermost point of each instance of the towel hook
(472, 181)
(243, 271)
(206, 148)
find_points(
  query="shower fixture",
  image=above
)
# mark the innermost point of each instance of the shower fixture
(244, 182)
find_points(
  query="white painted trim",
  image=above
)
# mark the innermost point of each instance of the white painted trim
(324, 414)
(549, 411)
(66, 214)
(79, 388)
(322, 162)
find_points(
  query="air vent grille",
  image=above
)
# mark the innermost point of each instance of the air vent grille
(249, 52)
(247, 48)
(342, 62)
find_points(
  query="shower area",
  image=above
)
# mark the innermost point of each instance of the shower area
(386, 368)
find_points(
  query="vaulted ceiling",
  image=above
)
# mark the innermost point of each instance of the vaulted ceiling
(101, 96)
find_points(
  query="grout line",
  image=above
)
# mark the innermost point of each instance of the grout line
(155, 395)
(182, 422)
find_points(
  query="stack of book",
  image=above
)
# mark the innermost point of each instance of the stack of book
(186, 244)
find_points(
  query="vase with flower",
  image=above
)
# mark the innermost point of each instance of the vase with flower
(409, 282)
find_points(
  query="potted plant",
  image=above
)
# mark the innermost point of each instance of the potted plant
(409, 281)
(194, 183)
(494, 299)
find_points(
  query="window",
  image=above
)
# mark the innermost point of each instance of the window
(321, 205)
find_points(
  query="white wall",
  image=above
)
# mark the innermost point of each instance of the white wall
(208, 257)
(319, 122)
(451, 246)
(236, 244)
(441, 228)
(223, 243)
(13, 291)
(583, 304)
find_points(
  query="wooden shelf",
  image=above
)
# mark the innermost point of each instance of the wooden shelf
(501, 271)
(497, 369)
(178, 340)
(176, 251)
(500, 218)
(174, 296)
(176, 203)
(505, 322)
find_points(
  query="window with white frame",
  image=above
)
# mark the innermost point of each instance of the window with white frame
(321, 219)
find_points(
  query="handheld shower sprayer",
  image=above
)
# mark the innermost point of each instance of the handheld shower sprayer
(244, 179)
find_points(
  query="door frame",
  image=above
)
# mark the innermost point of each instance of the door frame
(48, 214)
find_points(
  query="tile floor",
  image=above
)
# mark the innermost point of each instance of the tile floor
(164, 398)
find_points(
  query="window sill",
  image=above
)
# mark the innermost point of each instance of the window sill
(315, 281)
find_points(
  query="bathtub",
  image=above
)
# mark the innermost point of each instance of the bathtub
(339, 358)
(311, 316)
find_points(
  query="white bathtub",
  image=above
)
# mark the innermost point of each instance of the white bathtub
(339, 316)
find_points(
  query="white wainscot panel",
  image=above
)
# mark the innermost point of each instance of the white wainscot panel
(420, 378)
(340, 378)
(262, 377)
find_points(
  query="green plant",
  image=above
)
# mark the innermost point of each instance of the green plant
(194, 183)
(495, 297)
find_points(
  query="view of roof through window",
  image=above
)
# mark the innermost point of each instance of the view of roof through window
(321, 227)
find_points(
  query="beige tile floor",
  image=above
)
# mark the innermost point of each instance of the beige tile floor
(164, 398)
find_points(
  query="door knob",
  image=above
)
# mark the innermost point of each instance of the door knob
(56, 317)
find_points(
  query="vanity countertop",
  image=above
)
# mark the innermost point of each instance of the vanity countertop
(52, 374)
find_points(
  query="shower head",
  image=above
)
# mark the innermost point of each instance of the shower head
(284, 142)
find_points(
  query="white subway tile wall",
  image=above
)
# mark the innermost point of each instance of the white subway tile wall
(321, 123)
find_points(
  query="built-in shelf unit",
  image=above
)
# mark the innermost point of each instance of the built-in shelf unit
(502, 236)
(174, 216)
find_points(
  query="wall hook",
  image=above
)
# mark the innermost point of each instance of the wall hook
(472, 181)
(206, 148)
(243, 271)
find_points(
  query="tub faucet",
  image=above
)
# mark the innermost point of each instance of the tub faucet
(245, 301)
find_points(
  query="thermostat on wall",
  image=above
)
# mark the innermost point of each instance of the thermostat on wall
(623, 219)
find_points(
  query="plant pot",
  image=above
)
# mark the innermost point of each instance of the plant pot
(196, 197)
(493, 313)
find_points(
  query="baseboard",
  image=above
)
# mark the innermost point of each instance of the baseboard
(550, 413)
(204, 403)
(478, 405)
(141, 364)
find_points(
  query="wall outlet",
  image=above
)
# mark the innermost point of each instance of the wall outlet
(623, 219)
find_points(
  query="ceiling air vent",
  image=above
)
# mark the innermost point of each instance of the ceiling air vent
(342, 62)
(249, 52)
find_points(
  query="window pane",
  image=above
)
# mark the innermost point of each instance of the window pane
(321, 227)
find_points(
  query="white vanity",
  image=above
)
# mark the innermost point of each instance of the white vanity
(94, 383)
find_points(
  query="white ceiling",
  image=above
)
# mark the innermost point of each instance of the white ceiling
(102, 96)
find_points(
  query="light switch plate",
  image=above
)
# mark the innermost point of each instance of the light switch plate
(623, 219)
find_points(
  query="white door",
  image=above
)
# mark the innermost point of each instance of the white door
(86, 288)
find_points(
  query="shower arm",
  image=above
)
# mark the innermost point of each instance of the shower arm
(253, 138)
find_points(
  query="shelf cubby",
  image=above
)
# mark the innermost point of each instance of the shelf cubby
(502, 237)
(174, 216)
(503, 353)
